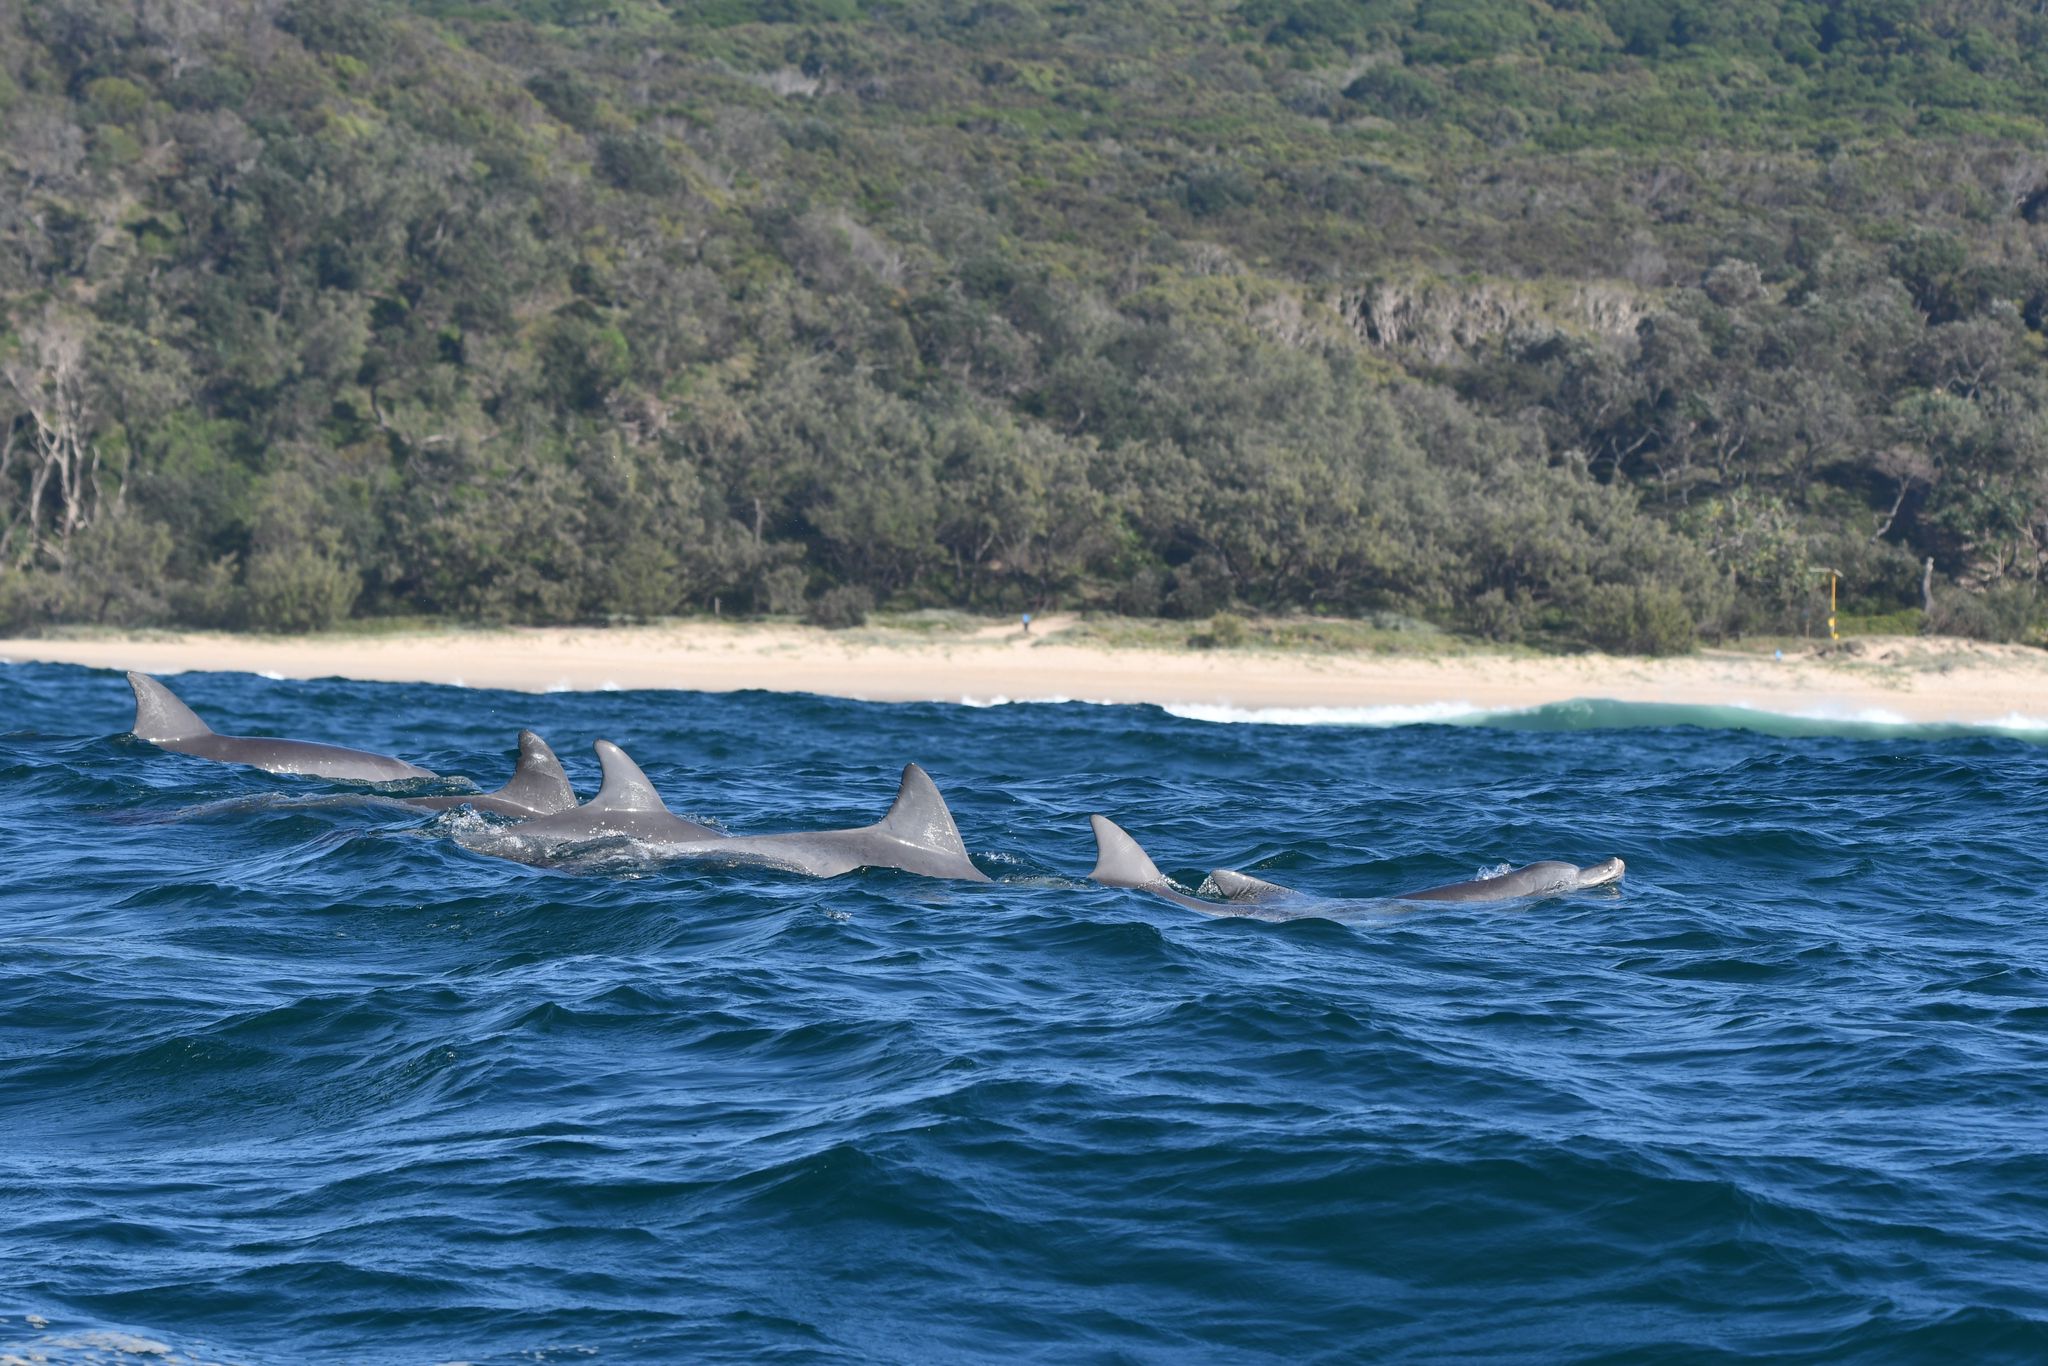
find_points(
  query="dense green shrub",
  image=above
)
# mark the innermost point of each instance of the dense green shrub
(299, 589)
(841, 608)
(1647, 619)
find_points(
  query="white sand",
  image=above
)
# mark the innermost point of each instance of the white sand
(1904, 678)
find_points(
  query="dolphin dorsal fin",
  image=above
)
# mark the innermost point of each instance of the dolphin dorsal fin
(1119, 862)
(1237, 886)
(625, 787)
(919, 816)
(538, 782)
(160, 716)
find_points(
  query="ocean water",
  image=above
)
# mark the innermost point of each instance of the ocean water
(287, 1076)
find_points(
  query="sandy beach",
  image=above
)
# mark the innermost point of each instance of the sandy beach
(1907, 678)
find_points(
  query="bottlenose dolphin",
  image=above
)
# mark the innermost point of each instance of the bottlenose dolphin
(916, 836)
(1544, 878)
(167, 723)
(1120, 862)
(539, 787)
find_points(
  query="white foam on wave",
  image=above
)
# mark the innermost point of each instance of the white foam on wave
(1819, 715)
(1882, 716)
(1000, 701)
(1854, 716)
(2017, 721)
(1411, 714)
(271, 674)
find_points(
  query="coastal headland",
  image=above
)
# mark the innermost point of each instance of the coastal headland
(1913, 679)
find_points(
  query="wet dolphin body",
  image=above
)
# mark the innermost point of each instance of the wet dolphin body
(1120, 862)
(916, 836)
(167, 723)
(1545, 878)
(538, 787)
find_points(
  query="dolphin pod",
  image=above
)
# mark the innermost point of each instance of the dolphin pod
(916, 834)
(1121, 862)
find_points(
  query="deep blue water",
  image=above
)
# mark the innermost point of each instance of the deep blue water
(286, 1079)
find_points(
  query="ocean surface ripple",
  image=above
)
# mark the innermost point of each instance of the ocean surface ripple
(288, 1075)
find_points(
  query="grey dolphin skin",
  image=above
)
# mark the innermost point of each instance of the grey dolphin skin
(1535, 879)
(1120, 862)
(916, 836)
(167, 723)
(625, 804)
(539, 787)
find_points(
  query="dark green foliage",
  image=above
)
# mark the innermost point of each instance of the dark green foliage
(839, 609)
(1226, 632)
(1617, 323)
(1648, 619)
(299, 589)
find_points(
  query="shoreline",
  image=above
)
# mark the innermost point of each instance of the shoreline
(1912, 679)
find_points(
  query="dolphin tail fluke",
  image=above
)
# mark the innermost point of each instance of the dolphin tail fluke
(538, 782)
(1241, 887)
(160, 716)
(625, 787)
(1119, 862)
(919, 817)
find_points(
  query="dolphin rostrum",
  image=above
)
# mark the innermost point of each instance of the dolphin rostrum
(539, 787)
(916, 836)
(1120, 862)
(167, 723)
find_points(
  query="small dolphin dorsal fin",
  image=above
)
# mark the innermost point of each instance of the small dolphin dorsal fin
(1119, 862)
(919, 815)
(1237, 886)
(625, 787)
(538, 782)
(160, 716)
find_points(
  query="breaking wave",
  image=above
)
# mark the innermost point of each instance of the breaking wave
(1598, 713)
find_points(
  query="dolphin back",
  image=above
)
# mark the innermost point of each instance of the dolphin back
(626, 804)
(538, 782)
(1119, 860)
(1242, 888)
(625, 787)
(160, 716)
(920, 818)
(1534, 879)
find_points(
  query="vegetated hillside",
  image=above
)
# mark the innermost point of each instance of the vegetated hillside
(1608, 321)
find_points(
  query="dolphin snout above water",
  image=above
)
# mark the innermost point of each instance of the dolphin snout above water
(1600, 874)
(1536, 879)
